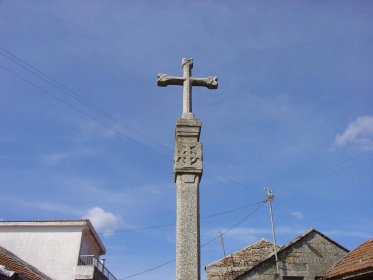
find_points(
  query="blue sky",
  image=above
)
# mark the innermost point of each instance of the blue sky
(293, 111)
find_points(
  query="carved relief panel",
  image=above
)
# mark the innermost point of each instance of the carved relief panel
(188, 156)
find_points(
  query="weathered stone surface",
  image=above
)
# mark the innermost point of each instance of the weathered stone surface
(187, 227)
(310, 255)
(188, 130)
(187, 81)
(188, 167)
(187, 174)
(188, 151)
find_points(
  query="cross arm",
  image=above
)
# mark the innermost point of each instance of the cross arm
(209, 82)
(164, 80)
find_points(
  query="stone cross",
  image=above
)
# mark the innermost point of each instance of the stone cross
(188, 169)
(187, 81)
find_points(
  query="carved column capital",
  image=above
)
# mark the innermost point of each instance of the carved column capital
(188, 151)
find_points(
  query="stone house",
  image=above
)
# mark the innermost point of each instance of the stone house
(307, 257)
(357, 265)
(60, 249)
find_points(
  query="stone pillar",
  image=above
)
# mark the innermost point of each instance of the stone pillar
(187, 175)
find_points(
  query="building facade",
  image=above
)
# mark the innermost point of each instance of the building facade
(61, 249)
(307, 257)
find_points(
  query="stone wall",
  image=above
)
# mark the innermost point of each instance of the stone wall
(309, 257)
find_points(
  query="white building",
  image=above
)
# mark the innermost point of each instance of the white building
(61, 249)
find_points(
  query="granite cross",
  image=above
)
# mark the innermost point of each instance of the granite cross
(187, 81)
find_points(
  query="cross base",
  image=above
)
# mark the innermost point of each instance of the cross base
(187, 115)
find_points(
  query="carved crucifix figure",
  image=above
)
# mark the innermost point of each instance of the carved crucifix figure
(187, 81)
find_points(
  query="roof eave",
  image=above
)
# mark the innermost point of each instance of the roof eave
(96, 237)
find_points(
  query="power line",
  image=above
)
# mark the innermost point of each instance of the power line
(81, 111)
(115, 130)
(324, 169)
(117, 120)
(204, 244)
(233, 209)
(234, 182)
(64, 89)
(202, 218)
(148, 270)
(233, 226)
(136, 142)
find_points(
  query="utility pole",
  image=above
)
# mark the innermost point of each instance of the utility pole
(270, 196)
(222, 242)
(226, 262)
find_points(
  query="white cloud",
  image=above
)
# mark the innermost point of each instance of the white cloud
(90, 129)
(297, 215)
(103, 221)
(53, 159)
(358, 133)
(57, 157)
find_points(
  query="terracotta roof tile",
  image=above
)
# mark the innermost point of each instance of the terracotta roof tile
(14, 263)
(360, 260)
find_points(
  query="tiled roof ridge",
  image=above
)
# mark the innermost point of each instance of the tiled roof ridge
(14, 263)
(334, 272)
(240, 250)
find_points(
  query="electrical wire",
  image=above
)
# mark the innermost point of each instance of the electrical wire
(204, 244)
(235, 225)
(234, 182)
(172, 224)
(148, 270)
(112, 117)
(82, 112)
(319, 170)
(64, 89)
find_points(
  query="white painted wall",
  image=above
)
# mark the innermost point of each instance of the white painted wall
(53, 249)
(89, 245)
